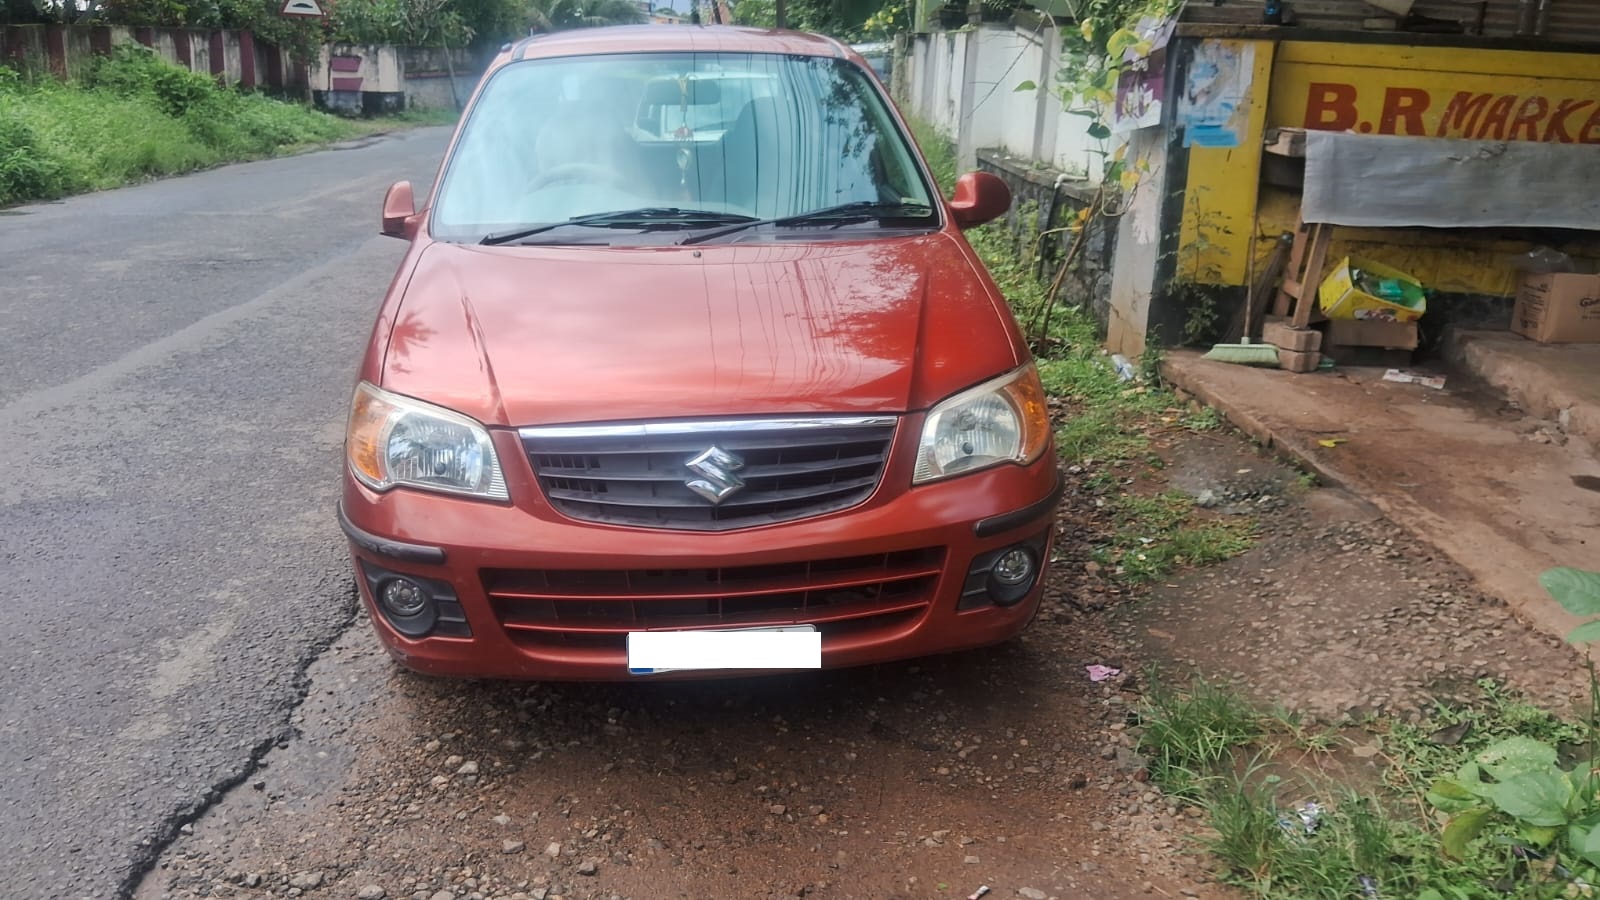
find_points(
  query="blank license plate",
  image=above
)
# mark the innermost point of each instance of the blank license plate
(783, 647)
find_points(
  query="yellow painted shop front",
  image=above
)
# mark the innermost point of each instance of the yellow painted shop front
(1546, 95)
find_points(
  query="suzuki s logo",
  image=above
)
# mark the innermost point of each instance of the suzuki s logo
(716, 468)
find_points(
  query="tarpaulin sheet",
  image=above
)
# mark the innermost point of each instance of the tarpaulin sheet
(1384, 181)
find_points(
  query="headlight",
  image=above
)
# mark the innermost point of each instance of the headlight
(999, 421)
(395, 440)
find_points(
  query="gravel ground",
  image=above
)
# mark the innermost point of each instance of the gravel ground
(1337, 614)
(1004, 767)
(926, 779)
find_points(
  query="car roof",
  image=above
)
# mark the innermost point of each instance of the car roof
(679, 38)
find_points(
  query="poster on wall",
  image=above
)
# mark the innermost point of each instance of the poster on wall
(1141, 85)
(1213, 109)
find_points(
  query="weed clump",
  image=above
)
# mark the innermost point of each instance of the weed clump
(132, 116)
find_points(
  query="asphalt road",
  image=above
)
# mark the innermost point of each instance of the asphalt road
(175, 362)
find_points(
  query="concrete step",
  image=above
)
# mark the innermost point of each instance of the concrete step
(1559, 382)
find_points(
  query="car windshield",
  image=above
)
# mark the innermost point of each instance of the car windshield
(714, 136)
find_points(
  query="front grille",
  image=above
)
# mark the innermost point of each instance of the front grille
(640, 475)
(599, 607)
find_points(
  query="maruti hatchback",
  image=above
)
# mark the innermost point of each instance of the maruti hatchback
(689, 368)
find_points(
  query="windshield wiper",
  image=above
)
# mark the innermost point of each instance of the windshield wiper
(857, 211)
(649, 216)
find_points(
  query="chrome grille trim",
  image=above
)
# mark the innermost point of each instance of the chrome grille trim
(703, 426)
(638, 474)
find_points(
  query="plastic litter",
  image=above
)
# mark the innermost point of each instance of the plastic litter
(1101, 673)
(1124, 367)
(1369, 886)
(1543, 261)
(1403, 377)
(1306, 820)
(977, 894)
(1310, 816)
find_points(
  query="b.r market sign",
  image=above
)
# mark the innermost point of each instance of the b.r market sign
(1404, 95)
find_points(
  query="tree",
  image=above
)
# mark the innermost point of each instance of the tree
(21, 12)
(843, 19)
(556, 15)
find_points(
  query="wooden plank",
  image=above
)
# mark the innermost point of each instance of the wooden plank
(1276, 261)
(1306, 298)
(1282, 303)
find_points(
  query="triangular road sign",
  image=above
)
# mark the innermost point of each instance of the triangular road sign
(309, 8)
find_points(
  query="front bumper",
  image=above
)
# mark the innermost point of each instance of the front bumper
(544, 597)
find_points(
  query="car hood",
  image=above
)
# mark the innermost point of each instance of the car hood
(551, 335)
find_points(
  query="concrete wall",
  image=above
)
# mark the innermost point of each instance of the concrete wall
(235, 57)
(1043, 200)
(1138, 246)
(432, 91)
(965, 84)
(426, 77)
(369, 79)
(989, 112)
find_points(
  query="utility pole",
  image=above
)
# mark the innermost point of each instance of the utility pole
(778, 5)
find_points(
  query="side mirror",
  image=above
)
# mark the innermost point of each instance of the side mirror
(979, 198)
(399, 211)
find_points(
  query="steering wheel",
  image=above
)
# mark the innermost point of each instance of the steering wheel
(579, 173)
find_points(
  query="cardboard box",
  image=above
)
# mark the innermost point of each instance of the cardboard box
(1371, 333)
(1558, 308)
(1340, 297)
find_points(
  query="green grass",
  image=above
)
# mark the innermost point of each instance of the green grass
(1157, 534)
(938, 151)
(1246, 768)
(132, 116)
(1267, 849)
(1188, 734)
(406, 118)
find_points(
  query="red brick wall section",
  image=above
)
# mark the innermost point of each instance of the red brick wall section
(60, 49)
(274, 60)
(219, 56)
(55, 47)
(247, 60)
(16, 46)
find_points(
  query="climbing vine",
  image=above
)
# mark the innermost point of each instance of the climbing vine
(1092, 55)
(1092, 59)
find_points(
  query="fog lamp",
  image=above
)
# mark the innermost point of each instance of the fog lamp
(1015, 566)
(403, 597)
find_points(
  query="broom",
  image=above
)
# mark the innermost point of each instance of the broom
(1246, 353)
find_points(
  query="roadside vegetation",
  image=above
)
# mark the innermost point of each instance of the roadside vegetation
(1107, 419)
(132, 116)
(1488, 798)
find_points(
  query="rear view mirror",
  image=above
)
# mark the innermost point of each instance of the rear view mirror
(681, 92)
(399, 211)
(979, 198)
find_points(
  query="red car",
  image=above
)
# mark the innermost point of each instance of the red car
(689, 368)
